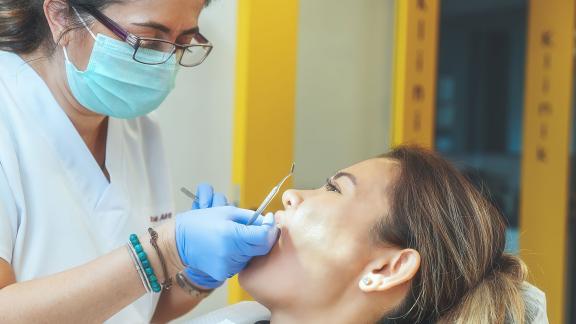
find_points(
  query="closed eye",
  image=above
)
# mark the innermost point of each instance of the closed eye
(331, 186)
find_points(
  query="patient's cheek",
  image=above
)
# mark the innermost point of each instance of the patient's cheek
(309, 250)
(312, 228)
(317, 253)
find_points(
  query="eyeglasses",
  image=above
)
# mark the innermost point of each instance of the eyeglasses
(154, 51)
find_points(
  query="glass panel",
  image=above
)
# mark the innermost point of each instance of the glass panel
(480, 97)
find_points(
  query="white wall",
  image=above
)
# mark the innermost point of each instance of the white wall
(343, 94)
(344, 85)
(197, 118)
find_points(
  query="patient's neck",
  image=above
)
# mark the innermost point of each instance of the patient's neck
(346, 310)
(289, 318)
(280, 317)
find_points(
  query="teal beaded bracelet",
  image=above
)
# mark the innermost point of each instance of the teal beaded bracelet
(147, 267)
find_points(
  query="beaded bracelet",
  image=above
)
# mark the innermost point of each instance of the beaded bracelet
(152, 279)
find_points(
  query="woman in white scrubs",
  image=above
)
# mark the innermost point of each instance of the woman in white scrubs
(82, 171)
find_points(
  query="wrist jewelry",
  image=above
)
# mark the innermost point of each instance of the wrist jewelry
(167, 284)
(139, 267)
(190, 288)
(152, 279)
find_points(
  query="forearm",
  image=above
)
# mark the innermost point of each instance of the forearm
(89, 293)
(173, 304)
(92, 292)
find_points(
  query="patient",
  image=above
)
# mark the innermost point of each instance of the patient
(403, 238)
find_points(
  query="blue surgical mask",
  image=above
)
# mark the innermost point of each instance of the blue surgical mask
(115, 85)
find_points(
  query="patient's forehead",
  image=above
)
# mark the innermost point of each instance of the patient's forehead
(375, 177)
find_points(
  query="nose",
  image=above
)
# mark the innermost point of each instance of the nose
(292, 198)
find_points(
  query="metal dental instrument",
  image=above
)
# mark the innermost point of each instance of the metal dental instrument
(189, 193)
(270, 196)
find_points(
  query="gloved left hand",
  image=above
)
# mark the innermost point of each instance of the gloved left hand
(215, 243)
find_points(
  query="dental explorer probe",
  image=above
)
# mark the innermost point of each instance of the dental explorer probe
(270, 196)
(189, 193)
(264, 203)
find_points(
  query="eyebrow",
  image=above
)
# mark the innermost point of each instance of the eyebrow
(165, 29)
(345, 174)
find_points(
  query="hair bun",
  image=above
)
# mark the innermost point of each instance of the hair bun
(23, 26)
(512, 266)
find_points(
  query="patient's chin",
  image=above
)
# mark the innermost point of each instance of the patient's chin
(260, 272)
(252, 267)
(256, 266)
(252, 278)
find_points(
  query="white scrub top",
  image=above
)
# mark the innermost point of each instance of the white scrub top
(57, 209)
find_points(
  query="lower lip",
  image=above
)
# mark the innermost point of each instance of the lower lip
(278, 218)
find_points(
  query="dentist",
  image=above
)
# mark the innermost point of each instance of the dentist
(86, 226)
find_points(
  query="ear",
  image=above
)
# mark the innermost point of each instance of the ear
(390, 270)
(56, 12)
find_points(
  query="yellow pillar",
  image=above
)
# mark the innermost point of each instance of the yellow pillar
(546, 155)
(265, 100)
(415, 72)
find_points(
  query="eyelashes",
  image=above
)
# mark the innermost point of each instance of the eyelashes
(331, 186)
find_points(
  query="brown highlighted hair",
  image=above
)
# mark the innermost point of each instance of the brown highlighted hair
(464, 276)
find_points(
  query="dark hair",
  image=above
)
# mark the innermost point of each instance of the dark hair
(464, 275)
(24, 28)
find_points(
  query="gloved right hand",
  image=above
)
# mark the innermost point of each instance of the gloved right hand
(216, 242)
(197, 276)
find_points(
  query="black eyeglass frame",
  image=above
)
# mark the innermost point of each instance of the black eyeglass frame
(136, 41)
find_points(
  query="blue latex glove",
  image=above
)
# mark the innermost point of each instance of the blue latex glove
(215, 244)
(207, 281)
(207, 198)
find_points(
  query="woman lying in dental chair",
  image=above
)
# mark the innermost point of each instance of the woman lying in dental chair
(403, 238)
